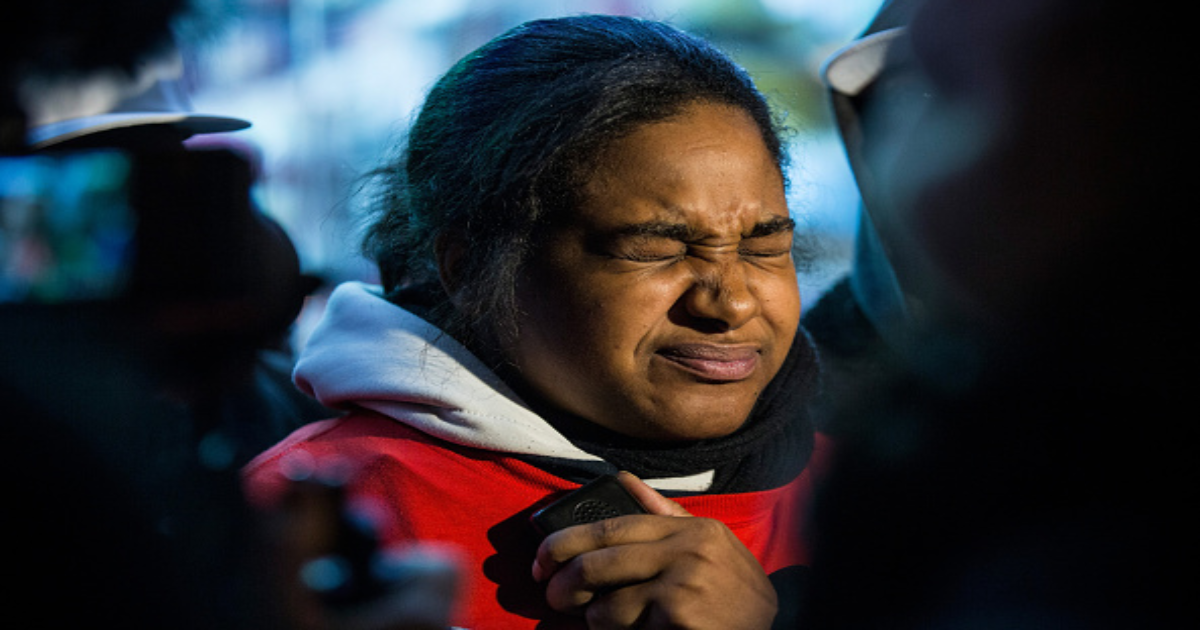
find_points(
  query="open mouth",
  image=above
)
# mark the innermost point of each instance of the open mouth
(714, 362)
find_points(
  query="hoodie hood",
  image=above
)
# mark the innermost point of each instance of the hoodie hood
(367, 352)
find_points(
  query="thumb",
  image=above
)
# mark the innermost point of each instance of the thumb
(650, 499)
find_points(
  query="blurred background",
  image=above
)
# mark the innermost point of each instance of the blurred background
(330, 85)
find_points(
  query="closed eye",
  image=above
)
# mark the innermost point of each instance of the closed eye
(653, 251)
(656, 242)
(755, 252)
(650, 242)
(769, 239)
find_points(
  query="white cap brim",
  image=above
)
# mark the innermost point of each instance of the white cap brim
(190, 123)
(854, 66)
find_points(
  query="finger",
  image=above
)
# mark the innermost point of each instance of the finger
(650, 499)
(627, 607)
(691, 594)
(562, 546)
(580, 580)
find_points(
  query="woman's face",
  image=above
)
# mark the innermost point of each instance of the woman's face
(668, 300)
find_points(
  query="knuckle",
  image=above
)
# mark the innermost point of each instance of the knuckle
(711, 528)
(711, 535)
(585, 571)
(607, 532)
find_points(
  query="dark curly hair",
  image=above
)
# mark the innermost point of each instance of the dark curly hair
(505, 139)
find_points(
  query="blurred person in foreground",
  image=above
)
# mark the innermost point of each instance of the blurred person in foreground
(859, 322)
(154, 119)
(1024, 462)
(138, 288)
(587, 266)
(237, 256)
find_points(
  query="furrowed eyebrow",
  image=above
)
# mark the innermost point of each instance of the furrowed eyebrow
(658, 229)
(775, 225)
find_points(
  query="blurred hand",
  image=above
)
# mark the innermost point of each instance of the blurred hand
(667, 569)
(411, 588)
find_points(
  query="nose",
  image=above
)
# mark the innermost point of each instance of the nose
(721, 295)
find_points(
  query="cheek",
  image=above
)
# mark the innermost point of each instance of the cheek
(779, 296)
(592, 321)
(784, 300)
(613, 318)
(784, 318)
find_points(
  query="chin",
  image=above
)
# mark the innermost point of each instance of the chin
(698, 426)
(687, 416)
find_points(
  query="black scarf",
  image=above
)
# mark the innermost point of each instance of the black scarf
(768, 451)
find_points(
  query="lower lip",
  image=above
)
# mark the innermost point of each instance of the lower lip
(714, 370)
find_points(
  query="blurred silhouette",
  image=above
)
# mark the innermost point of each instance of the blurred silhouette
(123, 520)
(255, 267)
(141, 298)
(1022, 462)
(858, 322)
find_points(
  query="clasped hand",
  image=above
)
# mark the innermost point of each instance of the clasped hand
(667, 569)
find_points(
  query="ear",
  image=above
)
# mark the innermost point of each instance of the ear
(449, 249)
